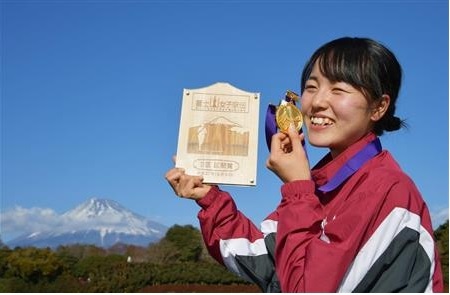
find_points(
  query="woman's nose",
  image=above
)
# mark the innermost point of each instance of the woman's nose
(320, 99)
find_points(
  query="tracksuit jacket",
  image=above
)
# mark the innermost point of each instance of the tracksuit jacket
(373, 233)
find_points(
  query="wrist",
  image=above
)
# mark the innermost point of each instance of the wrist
(207, 199)
(202, 191)
(295, 189)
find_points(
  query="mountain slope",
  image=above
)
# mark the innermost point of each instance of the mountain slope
(101, 222)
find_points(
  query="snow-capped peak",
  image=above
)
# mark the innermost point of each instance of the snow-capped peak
(95, 207)
(102, 218)
(108, 216)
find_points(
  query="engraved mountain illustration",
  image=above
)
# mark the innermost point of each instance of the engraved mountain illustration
(219, 136)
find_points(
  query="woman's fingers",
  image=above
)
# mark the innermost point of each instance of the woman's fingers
(184, 185)
(294, 138)
(188, 184)
(173, 176)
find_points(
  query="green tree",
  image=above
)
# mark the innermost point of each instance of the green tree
(67, 258)
(163, 252)
(441, 236)
(14, 285)
(4, 254)
(187, 241)
(33, 265)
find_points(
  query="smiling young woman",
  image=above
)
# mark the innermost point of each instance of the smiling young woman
(347, 88)
(355, 222)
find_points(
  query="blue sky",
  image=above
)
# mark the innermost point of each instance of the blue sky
(91, 93)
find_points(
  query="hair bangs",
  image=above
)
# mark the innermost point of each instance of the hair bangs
(343, 66)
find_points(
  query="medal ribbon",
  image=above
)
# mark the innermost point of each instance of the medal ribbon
(372, 149)
(271, 123)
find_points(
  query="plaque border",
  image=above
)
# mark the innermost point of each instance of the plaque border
(227, 152)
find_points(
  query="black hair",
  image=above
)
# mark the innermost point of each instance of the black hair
(365, 64)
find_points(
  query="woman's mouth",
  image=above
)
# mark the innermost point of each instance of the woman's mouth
(320, 121)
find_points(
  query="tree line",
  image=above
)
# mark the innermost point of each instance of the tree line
(179, 258)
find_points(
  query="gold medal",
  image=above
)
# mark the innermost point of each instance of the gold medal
(286, 114)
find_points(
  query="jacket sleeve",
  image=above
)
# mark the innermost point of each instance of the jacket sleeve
(234, 241)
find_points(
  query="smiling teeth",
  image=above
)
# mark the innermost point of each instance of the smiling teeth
(320, 121)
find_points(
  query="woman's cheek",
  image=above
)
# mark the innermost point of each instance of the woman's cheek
(305, 104)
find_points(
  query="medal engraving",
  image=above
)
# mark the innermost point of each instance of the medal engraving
(286, 114)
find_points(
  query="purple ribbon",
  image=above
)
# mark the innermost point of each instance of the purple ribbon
(271, 124)
(372, 149)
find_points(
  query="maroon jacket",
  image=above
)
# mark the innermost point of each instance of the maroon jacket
(373, 233)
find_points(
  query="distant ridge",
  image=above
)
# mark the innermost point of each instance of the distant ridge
(101, 222)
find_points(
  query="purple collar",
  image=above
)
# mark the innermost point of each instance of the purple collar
(372, 149)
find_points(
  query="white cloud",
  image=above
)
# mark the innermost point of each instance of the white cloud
(21, 220)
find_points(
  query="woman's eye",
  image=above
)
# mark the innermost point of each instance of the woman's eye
(341, 87)
(310, 87)
(339, 90)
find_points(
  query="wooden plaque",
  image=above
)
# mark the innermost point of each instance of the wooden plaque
(218, 136)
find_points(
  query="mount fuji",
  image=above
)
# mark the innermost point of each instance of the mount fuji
(99, 222)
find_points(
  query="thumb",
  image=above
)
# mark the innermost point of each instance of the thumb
(294, 137)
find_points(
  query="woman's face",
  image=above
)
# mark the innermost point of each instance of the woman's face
(335, 113)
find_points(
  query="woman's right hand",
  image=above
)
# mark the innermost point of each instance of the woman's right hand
(186, 186)
(287, 157)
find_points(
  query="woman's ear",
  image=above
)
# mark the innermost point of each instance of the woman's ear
(380, 108)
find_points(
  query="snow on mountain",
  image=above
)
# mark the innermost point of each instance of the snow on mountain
(109, 216)
(223, 121)
(101, 222)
